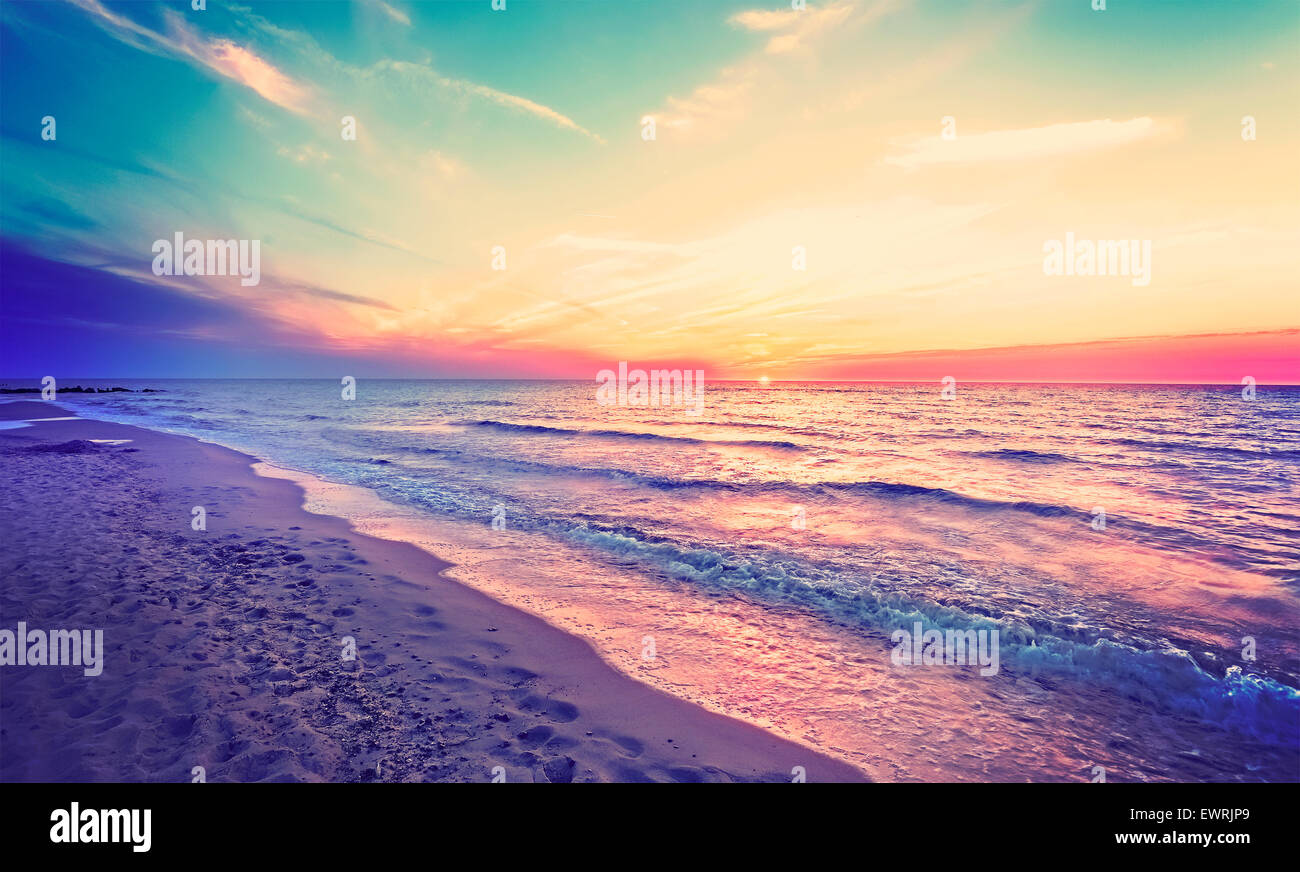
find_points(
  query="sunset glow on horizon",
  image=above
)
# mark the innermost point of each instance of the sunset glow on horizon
(865, 189)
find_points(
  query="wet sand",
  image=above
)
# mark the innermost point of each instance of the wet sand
(224, 647)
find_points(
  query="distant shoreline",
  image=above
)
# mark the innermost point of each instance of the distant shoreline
(5, 383)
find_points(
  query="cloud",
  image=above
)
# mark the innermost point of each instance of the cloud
(620, 245)
(473, 89)
(221, 56)
(441, 164)
(239, 64)
(307, 153)
(796, 25)
(766, 19)
(523, 104)
(729, 97)
(720, 100)
(746, 268)
(328, 294)
(253, 118)
(122, 27)
(1030, 143)
(394, 13)
(58, 213)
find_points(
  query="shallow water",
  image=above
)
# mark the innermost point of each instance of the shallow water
(765, 550)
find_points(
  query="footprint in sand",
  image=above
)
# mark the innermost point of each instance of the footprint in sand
(556, 710)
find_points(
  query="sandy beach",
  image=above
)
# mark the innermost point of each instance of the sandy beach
(224, 648)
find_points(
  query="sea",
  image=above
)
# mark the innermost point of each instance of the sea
(1133, 550)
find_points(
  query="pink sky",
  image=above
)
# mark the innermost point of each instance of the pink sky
(1268, 357)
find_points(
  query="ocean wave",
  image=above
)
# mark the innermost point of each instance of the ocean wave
(627, 434)
(1023, 455)
(190, 422)
(1230, 450)
(1161, 675)
(1224, 547)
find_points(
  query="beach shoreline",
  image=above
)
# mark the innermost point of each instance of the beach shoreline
(225, 646)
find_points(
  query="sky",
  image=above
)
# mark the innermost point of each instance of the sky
(858, 189)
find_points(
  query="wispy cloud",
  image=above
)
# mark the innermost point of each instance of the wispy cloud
(500, 98)
(730, 96)
(793, 26)
(523, 104)
(305, 154)
(221, 56)
(238, 63)
(394, 13)
(235, 62)
(444, 165)
(766, 19)
(1030, 143)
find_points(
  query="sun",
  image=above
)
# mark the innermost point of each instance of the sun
(764, 380)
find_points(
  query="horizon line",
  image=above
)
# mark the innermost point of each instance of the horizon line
(770, 381)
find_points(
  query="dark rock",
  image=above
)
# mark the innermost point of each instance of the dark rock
(78, 389)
